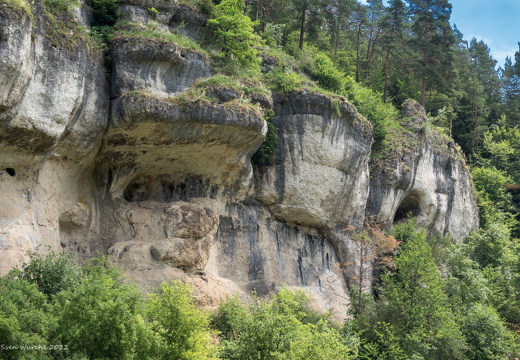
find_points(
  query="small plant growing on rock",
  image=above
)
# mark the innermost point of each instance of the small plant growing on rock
(264, 154)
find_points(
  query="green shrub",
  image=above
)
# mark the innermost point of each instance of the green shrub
(283, 80)
(273, 34)
(280, 328)
(184, 329)
(101, 318)
(104, 12)
(370, 104)
(51, 273)
(327, 75)
(494, 201)
(61, 6)
(20, 4)
(486, 334)
(25, 319)
(413, 306)
(262, 157)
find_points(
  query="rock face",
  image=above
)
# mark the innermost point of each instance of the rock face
(160, 67)
(428, 180)
(52, 118)
(320, 172)
(162, 180)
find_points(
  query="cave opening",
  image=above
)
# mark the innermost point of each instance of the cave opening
(409, 207)
(164, 189)
(10, 171)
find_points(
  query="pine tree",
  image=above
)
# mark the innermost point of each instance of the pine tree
(393, 29)
(511, 89)
(433, 42)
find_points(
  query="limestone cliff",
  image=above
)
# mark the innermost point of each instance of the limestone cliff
(140, 168)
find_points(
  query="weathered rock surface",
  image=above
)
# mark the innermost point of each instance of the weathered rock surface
(423, 177)
(160, 67)
(163, 181)
(53, 111)
(320, 173)
(203, 147)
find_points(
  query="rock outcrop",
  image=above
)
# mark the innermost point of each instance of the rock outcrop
(319, 177)
(424, 177)
(156, 171)
(53, 112)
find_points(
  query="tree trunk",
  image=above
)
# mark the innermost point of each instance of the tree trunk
(302, 26)
(387, 66)
(423, 91)
(358, 45)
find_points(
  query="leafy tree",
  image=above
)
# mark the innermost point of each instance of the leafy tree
(374, 15)
(393, 32)
(101, 318)
(25, 318)
(501, 148)
(234, 33)
(478, 86)
(281, 328)
(495, 202)
(184, 330)
(52, 272)
(414, 306)
(486, 334)
(104, 12)
(337, 17)
(511, 89)
(374, 249)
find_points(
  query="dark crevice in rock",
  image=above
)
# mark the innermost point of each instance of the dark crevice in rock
(163, 189)
(409, 207)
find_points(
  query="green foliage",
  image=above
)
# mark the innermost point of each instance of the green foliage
(504, 282)
(501, 149)
(465, 283)
(104, 12)
(102, 35)
(25, 318)
(382, 116)
(262, 157)
(206, 7)
(273, 34)
(61, 6)
(495, 202)
(486, 334)
(234, 33)
(245, 85)
(284, 80)
(51, 273)
(24, 5)
(490, 245)
(327, 75)
(281, 328)
(101, 318)
(184, 330)
(413, 306)
(151, 32)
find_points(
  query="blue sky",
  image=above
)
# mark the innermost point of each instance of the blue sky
(497, 22)
(494, 21)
